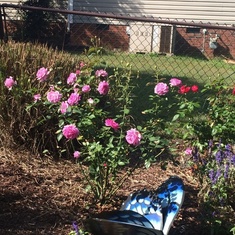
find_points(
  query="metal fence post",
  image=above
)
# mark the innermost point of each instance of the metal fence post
(1, 25)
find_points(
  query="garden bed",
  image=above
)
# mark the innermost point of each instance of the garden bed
(44, 196)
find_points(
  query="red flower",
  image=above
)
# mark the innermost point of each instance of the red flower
(233, 92)
(194, 88)
(184, 89)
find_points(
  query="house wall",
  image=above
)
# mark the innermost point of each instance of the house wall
(213, 11)
(210, 11)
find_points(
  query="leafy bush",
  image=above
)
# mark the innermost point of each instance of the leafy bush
(87, 115)
(41, 26)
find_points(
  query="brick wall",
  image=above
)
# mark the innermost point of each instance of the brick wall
(188, 41)
(197, 43)
(113, 37)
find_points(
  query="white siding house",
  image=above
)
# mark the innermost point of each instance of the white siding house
(213, 11)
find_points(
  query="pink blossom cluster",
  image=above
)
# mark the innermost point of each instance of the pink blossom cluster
(70, 131)
(101, 73)
(111, 123)
(42, 74)
(9, 83)
(163, 88)
(103, 88)
(133, 137)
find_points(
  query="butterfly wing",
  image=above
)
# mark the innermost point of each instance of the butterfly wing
(141, 202)
(170, 195)
(161, 206)
(99, 226)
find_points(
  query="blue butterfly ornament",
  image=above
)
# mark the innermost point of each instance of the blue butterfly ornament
(143, 213)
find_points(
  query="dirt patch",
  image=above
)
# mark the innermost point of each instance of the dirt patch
(43, 196)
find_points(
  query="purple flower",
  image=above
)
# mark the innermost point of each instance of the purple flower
(217, 175)
(219, 156)
(211, 175)
(195, 154)
(233, 159)
(226, 170)
(75, 227)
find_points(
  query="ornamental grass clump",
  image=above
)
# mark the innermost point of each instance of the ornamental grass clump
(18, 63)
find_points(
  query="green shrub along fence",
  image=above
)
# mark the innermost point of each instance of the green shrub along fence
(170, 48)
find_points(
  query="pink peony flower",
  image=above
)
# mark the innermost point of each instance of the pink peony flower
(184, 89)
(70, 131)
(103, 88)
(188, 151)
(86, 88)
(110, 122)
(175, 82)
(194, 88)
(9, 83)
(76, 154)
(71, 78)
(37, 97)
(63, 107)
(54, 96)
(74, 98)
(42, 74)
(101, 73)
(133, 137)
(161, 88)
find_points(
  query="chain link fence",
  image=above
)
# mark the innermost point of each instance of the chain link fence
(186, 50)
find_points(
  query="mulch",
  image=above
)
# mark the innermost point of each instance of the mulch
(44, 196)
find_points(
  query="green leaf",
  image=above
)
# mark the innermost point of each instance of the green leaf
(59, 136)
(175, 117)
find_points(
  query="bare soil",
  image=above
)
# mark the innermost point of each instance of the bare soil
(44, 196)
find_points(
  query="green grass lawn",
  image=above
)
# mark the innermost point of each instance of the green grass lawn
(191, 69)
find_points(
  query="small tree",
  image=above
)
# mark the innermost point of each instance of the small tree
(40, 26)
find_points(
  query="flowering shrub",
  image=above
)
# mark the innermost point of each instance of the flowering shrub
(174, 107)
(215, 170)
(89, 113)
